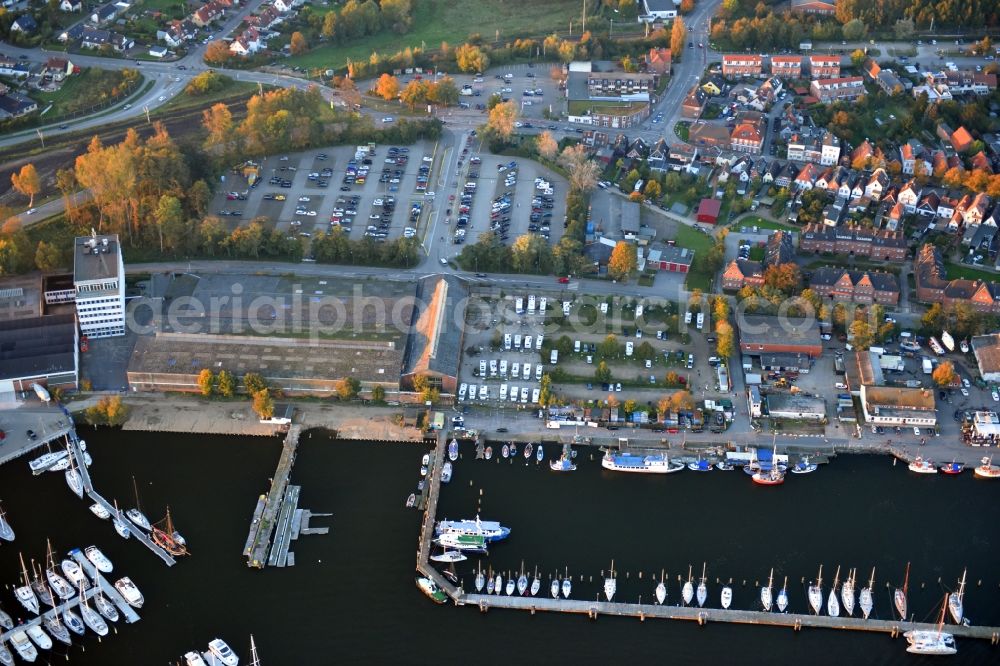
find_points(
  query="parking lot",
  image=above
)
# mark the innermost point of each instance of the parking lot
(305, 193)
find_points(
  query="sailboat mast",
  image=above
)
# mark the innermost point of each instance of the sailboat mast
(906, 579)
(871, 581)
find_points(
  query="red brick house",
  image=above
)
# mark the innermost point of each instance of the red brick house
(741, 273)
(865, 287)
(708, 211)
(824, 67)
(658, 61)
(786, 67)
(738, 65)
(934, 287)
(961, 139)
(856, 241)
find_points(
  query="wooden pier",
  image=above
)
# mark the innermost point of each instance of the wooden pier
(259, 539)
(88, 489)
(595, 607)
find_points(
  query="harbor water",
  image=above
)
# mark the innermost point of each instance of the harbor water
(350, 598)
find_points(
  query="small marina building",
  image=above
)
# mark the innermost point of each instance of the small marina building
(898, 406)
(99, 281)
(795, 406)
(987, 351)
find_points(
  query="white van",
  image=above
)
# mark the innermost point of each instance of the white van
(604, 308)
(687, 317)
(503, 368)
(513, 394)
(534, 395)
(482, 367)
(531, 304)
(524, 394)
(576, 346)
(484, 392)
(462, 390)
(565, 308)
(527, 341)
(638, 311)
(701, 320)
(542, 302)
(538, 372)
(554, 356)
(515, 369)
(503, 392)
(628, 348)
(538, 342)
(517, 341)
(526, 372)
(507, 339)
(493, 368)
(472, 391)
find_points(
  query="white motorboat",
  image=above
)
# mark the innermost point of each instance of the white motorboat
(44, 462)
(687, 590)
(74, 481)
(73, 622)
(610, 584)
(562, 464)
(39, 637)
(218, 648)
(539, 453)
(56, 628)
(74, 573)
(446, 470)
(129, 592)
(766, 596)
(847, 593)
(727, 596)
(922, 466)
(192, 658)
(865, 599)
(804, 466)
(661, 590)
(453, 450)
(23, 646)
(449, 556)
(899, 595)
(466, 542)
(933, 641)
(783, 597)
(480, 579)
(702, 592)
(987, 470)
(98, 559)
(411, 500)
(489, 452)
(505, 451)
(124, 531)
(724, 466)
(832, 602)
(98, 510)
(528, 448)
(816, 593)
(554, 588)
(105, 608)
(955, 601)
(490, 530)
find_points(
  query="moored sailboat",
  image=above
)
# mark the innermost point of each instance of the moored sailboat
(56, 628)
(832, 603)
(554, 587)
(120, 525)
(105, 608)
(92, 618)
(934, 641)
(816, 593)
(165, 536)
(899, 595)
(783, 596)
(73, 622)
(480, 581)
(765, 592)
(73, 479)
(661, 590)
(511, 585)
(727, 596)
(865, 599)
(687, 590)
(522, 581)
(956, 599)
(24, 593)
(567, 585)
(847, 593)
(536, 584)
(6, 532)
(60, 585)
(136, 515)
(701, 594)
(610, 584)
(6, 658)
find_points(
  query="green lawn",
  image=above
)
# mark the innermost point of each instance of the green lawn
(440, 20)
(757, 253)
(232, 89)
(92, 85)
(699, 277)
(761, 223)
(580, 107)
(969, 273)
(682, 129)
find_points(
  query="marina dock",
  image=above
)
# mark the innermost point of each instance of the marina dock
(108, 589)
(595, 607)
(88, 489)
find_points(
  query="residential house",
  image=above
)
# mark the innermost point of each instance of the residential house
(94, 38)
(207, 13)
(714, 86)
(681, 156)
(788, 173)
(58, 68)
(824, 66)
(831, 90)
(821, 7)
(927, 206)
(71, 5)
(741, 273)
(25, 23)
(857, 241)
(694, 104)
(981, 162)
(786, 67)
(104, 14)
(961, 140)
(638, 150)
(779, 249)
(913, 154)
(658, 61)
(977, 211)
(659, 10)
(814, 145)
(657, 160)
(283, 6)
(934, 287)
(15, 105)
(806, 177)
(946, 206)
(709, 135)
(748, 134)
(864, 287)
(894, 220)
(909, 195)
(834, 213)
(877, 184)
(738, 65)
(889, 82)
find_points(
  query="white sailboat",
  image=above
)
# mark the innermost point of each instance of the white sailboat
(105, 607)
(783, 596)
(687, 591)
(511, 585)
(899, 595)
(6, 657)
(489, 582)
(955, 600)
(536, 583)
(24, 593)
(567, 585)
(5, 620)
(934, 641)
(73, 479)
(554, 587)
(522, 581)
(498, 584)
(847, 593)
(661, 590)
(865, 600)
(765, 592)
(60, 585)
(727, 596)
(124, 531)
(92, 618)
(56, 628)
(816, 593)
(610, 584)
(136, 515)
(73, 622)
(6, 532)
(832, 603)
(44, 462)
(702, 593)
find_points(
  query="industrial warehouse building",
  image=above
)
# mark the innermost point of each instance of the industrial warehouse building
(764, 334)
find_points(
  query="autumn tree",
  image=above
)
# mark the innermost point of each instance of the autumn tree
(681, 401)
(387, 87)
(945, 374)
(725, 344)
(206, 382)
(225, 384)
(170, 221)
(298, 44)
(548, 147)
(109, 410)
(583, 171)
(415, 93)
(858, 57)
(347, 388)
(678, 36)
(47, 256)
(217, 52)
(27, 182)
(652, 190)
(263, 404)
(861, 335)
(623, 260)
(501, 120)
(378, 393)
(254, 383)
(784, 277)
(545, 395)
(602, 373)
(471, 58)
(218, 122)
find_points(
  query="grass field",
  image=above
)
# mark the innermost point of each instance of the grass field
(232, 89)
(91, 84)
(699, 277)
(964, 271)
(761, 223)
(436, 21)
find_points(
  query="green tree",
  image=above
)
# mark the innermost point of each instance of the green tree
(378, 393)
(206, 382)
(169, 216)
(854, 30)
(254, 383)
(645, 351)
(347, 388)
(623, 260)
(904, 28)
(47, 257)
(602, 373)
(226, 384)
(609, 347)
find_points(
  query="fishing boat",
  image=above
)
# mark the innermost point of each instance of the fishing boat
(702, 592)
(522, 582)
(73, 622)
(847, 593)
(39, 637)
(865, 599)
(527, 451)
(816, 593)
(5, 620)
(766, 597)
(804, 466)
(783, 596)
(60, 585)
(955, 601)
(661, 590)
(489, 452)
(563, 463)
(832, 603)
(610, 584)
(56, 628)
(466, 542)
(987, 470)
(727, 596)
(921, 466)
(554, 588)
(431, 590)
(771, 477)
(480, 579)
(23, 646)
(192, 658)
(129, 592)
(700, 465)
(73, 572)
(449, 556)
(453, 450)
(136, 515)
(536, 583)
(411, 500)
(498, 584)
(539, 453)
(74, 480)
(43, 462)
(105, 608)
(899, 595)
(6, 658)
(511, 585)
(687, 591)
(98, 510)
(490, 530)
(652, 464)
(953, 468)
(222, 653)
(446, 470)
(25, 594)
(933, 641)
(505, 451)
